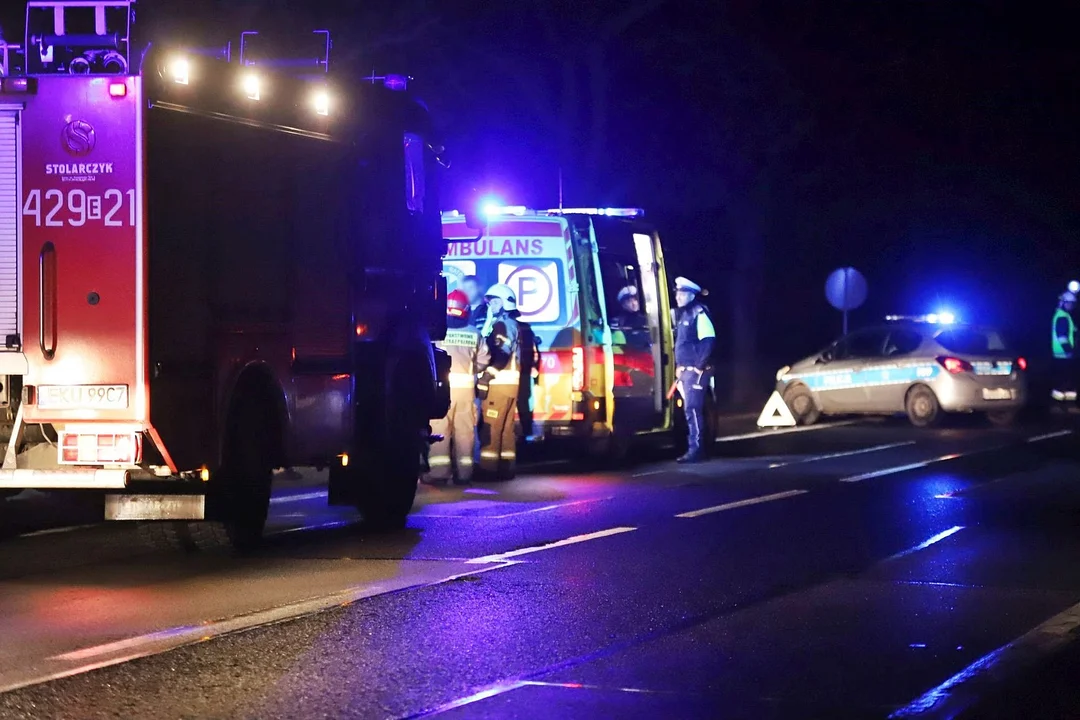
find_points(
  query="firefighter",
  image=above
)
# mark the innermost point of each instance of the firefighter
(478, 311)
(502, 382)
(694, 339)
(529, 352)
(1063, 345)
(451, 459)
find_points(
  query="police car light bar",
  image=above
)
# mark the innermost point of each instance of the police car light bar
(942, 318)
(608, 212)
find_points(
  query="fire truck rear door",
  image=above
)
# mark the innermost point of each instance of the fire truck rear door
(83, 271)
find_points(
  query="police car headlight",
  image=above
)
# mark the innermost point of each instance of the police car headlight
(782, 372)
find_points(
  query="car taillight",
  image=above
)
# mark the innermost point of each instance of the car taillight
(1021, 363)
(955, 365)
(577, 368)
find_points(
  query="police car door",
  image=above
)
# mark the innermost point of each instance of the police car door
(891, 376)
(842, 380)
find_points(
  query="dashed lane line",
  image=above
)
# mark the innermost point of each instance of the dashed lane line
(951, 456)
(741, 503)
(502, 557)
(784, 431)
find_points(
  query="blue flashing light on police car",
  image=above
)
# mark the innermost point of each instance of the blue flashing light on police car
(944, 317)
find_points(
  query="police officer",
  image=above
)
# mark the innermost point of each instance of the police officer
(694, 339)
(1063, 345)
(502, 380)
(452, 457)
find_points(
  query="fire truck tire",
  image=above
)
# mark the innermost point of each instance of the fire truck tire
(239, 491)
(392, 455)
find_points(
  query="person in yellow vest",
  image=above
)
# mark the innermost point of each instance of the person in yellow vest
(1063, 346)
(502, 380)
(451, 459)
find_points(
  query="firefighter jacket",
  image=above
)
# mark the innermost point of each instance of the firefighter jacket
(469, 356)
(503, 342)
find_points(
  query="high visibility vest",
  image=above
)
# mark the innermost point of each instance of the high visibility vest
(1060, 352)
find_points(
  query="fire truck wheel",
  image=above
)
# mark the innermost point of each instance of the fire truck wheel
(239, 492)
(391, 466)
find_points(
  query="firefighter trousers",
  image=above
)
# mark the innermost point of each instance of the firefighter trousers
(452, 457)
(498, 448)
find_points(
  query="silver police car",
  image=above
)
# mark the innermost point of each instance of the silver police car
(921, 366)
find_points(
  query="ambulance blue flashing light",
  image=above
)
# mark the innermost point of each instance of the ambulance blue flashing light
(607, 212)
(492, 210)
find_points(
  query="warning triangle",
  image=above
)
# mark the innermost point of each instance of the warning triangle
(776, 413)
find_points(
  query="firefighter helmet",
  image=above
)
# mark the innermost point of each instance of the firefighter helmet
(457, 304)
(504, 293)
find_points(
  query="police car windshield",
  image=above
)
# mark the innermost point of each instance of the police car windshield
(971, 341)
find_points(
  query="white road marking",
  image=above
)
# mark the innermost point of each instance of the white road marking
(952, 456)
(560, 543)
(928, 542)
(910, 466)
(741, 503)
(545, 508)
(317, 495)
(785, 431)
(59, 530)
(1049, 436)
(157, 642)
(846, 453)
(962, 690)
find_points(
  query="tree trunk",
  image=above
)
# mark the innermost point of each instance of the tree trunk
(598, 118)
(746, 290)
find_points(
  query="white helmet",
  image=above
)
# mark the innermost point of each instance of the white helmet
(504, 293)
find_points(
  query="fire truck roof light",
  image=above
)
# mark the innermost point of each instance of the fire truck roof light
(251, 86)
(180, 69)
(117, 89)
(322, 102)
(608, 212)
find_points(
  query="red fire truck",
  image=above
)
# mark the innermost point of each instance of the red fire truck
(209, 270)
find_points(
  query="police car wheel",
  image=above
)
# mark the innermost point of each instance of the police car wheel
(802, 405)
(922, 406)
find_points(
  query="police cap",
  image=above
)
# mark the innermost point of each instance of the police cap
(682, 283)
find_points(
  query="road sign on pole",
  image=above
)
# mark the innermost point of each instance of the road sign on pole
(845, 289)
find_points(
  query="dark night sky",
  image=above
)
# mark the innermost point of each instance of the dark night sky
(930, 144)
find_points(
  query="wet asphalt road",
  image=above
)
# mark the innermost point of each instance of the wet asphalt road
(861, 570)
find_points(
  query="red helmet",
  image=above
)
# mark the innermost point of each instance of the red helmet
(457, 304)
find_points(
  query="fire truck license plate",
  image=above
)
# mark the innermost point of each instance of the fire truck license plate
(74, 397)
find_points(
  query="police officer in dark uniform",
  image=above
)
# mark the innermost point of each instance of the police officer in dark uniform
(694, 339)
